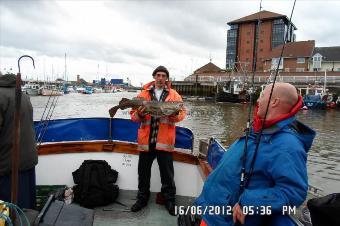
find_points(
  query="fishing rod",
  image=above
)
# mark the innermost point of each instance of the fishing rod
(247, 130)
(245, 178)
(46, 121)
(16, 142)
(270, 97)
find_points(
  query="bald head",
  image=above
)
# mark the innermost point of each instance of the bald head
(286, 92)
(284, 97)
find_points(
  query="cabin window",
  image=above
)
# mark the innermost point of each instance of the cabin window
(300, 60)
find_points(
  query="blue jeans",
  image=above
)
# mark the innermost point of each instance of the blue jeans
(26, 189)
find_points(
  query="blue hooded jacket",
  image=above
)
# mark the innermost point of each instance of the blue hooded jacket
(279, 177)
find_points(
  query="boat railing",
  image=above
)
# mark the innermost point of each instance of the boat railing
(314, 190)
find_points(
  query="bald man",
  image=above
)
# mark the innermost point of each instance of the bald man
(279, 177)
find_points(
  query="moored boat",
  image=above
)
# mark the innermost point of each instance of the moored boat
(32, 89)
(51, 90)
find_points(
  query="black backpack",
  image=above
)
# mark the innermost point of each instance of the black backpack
(95, 184)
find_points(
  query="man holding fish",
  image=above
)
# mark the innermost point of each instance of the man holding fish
(156, 137)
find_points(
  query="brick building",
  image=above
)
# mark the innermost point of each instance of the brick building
(241, 38)
(295, 57)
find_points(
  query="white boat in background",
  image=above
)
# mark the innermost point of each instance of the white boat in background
(97, 90)
(80, 89)
(32, 89)
(70, 89)
(51, 90)
(108, 89)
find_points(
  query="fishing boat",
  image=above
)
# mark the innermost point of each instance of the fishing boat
(232, 91)
(64, 144)
(62, 150)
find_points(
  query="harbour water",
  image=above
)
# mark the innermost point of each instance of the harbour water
(224, 121)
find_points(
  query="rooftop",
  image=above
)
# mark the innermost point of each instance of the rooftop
(263, 15)
(294, 49)
(331, 53)
(209, 67)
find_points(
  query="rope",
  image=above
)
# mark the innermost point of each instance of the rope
(18, 211)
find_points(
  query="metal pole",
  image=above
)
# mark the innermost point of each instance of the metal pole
(16, 142)
(324, 82)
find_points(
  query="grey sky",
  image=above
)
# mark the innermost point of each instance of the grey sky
(131, 38)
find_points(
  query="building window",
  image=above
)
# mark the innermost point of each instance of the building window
(261, 40)
(278, 32)
(275, 62)
(261, 50)
(248, 33)
(247, 51)
(299, 69)
(234, 26)
(248, 42)
(231, 46)
(317, 59)
(300, 60)
(287, 69)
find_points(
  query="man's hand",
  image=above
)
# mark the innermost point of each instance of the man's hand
(141, 111)
(238, 214)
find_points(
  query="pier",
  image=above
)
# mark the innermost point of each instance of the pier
(208, 86)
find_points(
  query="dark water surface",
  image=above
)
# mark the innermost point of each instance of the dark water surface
(223, 121)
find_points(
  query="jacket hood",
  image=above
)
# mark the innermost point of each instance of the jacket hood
(305, 134)
(291, 125)
(7, 80)
(150, 84)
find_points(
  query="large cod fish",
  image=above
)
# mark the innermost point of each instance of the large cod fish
(154, 108)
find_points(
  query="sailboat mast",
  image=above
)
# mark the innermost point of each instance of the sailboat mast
(65, 71)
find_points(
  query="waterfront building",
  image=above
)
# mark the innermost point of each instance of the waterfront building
(325, 59)
(241, 38)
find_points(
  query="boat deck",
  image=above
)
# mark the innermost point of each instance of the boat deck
(152, 214)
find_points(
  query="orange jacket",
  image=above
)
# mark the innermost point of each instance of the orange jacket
(167, 129)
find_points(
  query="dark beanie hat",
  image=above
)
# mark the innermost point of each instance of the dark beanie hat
(161, 69)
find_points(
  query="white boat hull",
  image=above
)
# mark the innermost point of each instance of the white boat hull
(50, 92)
(32, 92)
(56, 169)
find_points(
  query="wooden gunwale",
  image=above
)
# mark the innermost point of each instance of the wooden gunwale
(104, 146)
